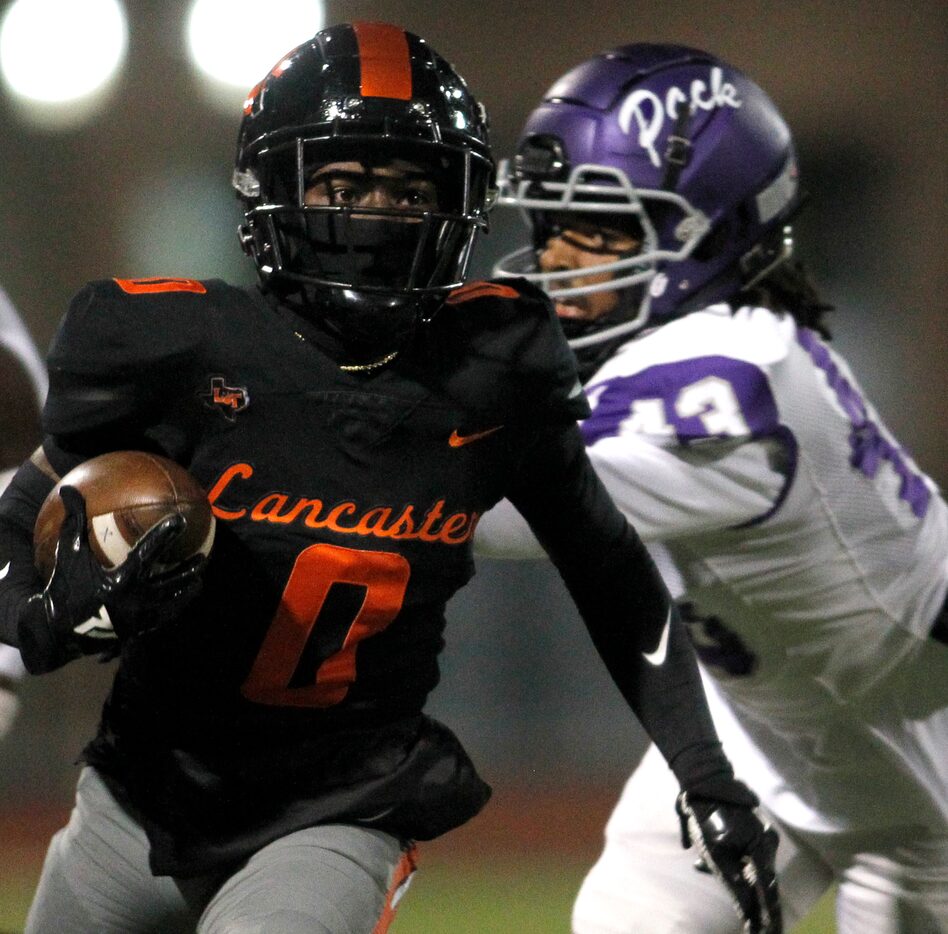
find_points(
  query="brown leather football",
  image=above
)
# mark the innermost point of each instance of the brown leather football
(126, 494)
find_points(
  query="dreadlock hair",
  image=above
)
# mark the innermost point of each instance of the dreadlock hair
(788, 288)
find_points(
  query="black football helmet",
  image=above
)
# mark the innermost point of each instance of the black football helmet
(371, 93)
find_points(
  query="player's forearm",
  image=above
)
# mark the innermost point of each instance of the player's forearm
(625, 604)
(642, 641)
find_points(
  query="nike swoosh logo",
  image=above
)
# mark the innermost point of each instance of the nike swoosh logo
(657, 657)
(458, 441)
(4, 571)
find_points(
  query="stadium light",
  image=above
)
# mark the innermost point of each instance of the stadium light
(234, 43)
(55, 53)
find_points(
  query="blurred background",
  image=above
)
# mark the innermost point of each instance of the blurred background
(135, 181)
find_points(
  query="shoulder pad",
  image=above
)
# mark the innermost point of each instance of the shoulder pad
(120, 342)
(480, 288)
(508, 353)
(159, 285)
(116, 323)
(757, 335)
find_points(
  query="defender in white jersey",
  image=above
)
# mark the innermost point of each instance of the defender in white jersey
(809, 551)
(22, 390)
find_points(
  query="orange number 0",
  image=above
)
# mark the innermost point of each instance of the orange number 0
(384, 575)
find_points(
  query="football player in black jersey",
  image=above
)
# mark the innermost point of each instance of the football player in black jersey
(263, 760)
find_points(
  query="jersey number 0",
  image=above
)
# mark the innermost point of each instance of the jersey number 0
(383, 574)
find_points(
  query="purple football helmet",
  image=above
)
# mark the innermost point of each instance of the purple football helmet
(674, 145)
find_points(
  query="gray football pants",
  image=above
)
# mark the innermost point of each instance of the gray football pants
(334, 879)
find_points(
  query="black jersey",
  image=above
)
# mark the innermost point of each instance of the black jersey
(292, 690)
(345, 505)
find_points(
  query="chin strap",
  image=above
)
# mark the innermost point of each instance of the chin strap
(678, 150)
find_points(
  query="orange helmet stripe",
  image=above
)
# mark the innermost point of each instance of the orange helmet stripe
(386, 65)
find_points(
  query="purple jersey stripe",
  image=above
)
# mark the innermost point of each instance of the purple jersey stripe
(869, 443)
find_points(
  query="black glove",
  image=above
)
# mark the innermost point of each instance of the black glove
(86, 608)
(740, 851)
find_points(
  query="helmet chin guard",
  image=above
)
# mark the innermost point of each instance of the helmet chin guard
(679, 142)
(598, 191)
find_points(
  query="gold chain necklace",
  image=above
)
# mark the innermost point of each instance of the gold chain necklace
(355, 367)
(360, 367)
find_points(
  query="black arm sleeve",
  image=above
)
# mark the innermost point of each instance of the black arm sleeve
(19, 506)
(623, 601)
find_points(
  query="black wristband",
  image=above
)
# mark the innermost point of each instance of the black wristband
(704, 772)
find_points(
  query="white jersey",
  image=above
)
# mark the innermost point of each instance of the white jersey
(15, 338)
(810, 552)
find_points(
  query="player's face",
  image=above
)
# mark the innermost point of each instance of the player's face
(578, 245)
(400, 185)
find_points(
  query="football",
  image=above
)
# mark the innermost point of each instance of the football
(126, 494)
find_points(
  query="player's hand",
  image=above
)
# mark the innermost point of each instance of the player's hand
(740, 851)
(86, 608)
